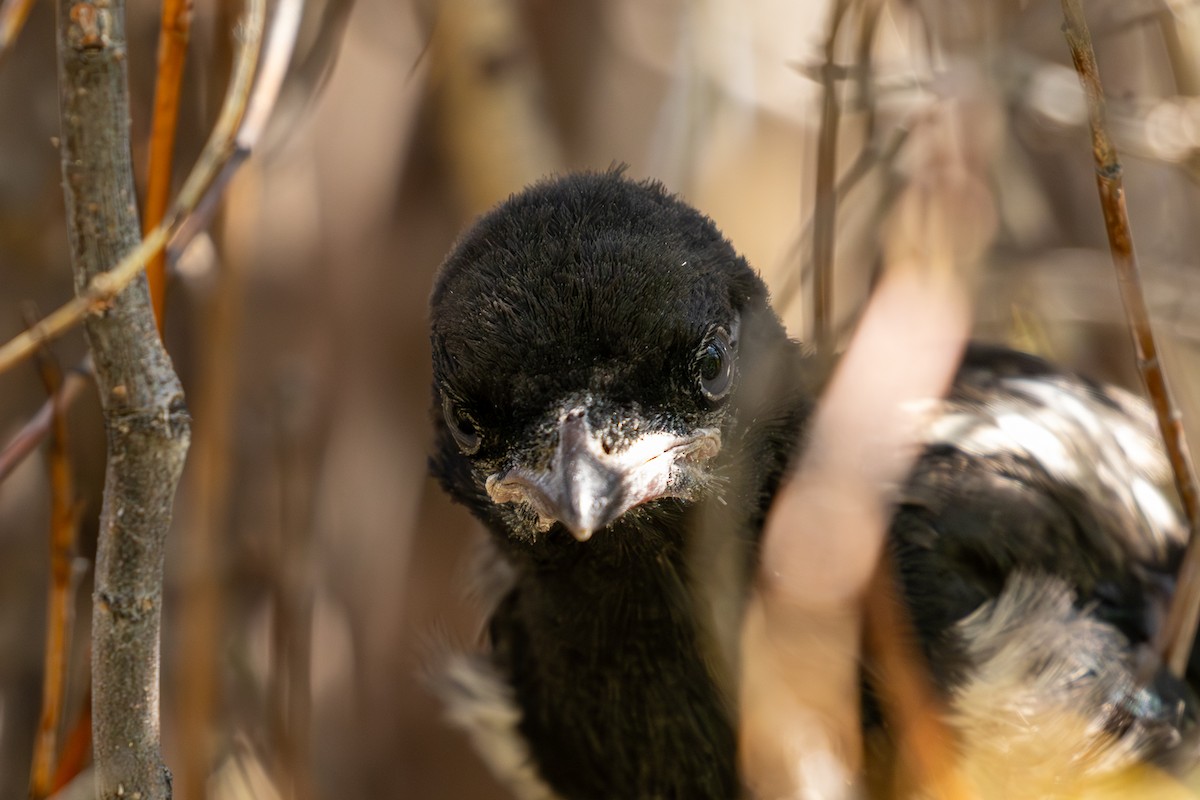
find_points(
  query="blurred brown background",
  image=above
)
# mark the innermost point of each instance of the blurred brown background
(314, 569)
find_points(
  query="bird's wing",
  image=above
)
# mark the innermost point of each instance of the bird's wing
(1036, 543)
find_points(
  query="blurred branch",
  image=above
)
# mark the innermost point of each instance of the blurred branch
(13, 14)
(489, 93)
(210, 502)
(202, 571)
(83, 787)
(914, 711)
(800, 688)
(301, 435)
(1179, 631)
(39, 425)
(1180, 29)
(827, 526)
(77, 748)
(140, 394)
(64, 579)
(240, 125)
(173, 36)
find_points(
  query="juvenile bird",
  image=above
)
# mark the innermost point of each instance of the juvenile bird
(617, 402)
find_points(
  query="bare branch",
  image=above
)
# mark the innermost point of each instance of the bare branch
(142, 401)
(1179, 631)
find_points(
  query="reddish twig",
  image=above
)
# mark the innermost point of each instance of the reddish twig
(60, 617)
(172, 49)
(1179, 631)
(38, 426)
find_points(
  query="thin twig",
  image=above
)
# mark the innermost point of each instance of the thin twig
(825, 198)
(866, 160)
(13, 14)
(173, 36)
(64, 578)
(1179, 631)
(240, 124)
(29, 437)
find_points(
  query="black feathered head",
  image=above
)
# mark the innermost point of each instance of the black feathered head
(590, 337)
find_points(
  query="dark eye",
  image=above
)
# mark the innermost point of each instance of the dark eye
(461, 426)
(714, 366)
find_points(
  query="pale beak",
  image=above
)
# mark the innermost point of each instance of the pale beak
(586, 488)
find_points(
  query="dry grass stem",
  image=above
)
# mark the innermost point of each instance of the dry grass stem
(1179, 631)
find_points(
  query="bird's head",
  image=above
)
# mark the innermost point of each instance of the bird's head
(591, 337)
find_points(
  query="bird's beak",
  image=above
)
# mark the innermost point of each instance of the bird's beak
(586, 487)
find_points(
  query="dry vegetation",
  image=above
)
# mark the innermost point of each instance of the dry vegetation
(311, 567)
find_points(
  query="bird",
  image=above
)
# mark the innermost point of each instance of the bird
(618, 403)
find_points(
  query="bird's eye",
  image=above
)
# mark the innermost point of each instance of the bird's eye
(714, 366)
(462, 427)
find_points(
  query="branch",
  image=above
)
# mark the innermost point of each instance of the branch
(1179, 631)
(142, 401)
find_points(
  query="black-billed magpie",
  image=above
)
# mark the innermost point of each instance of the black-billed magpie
(613, 394)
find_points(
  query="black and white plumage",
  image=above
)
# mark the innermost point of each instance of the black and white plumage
(614, 394)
